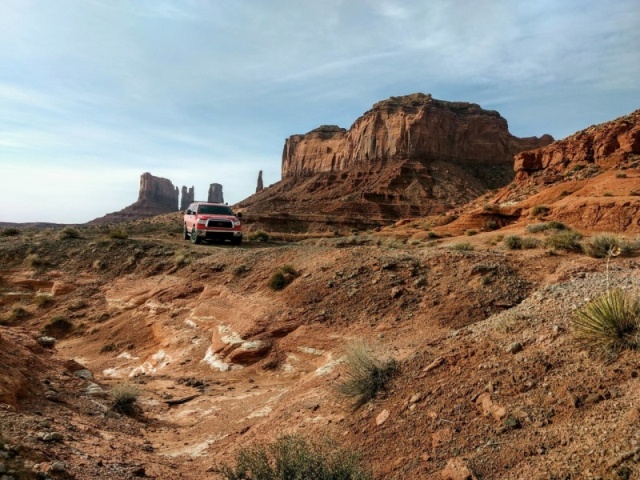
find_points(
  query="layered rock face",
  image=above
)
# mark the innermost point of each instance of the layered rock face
(407, 156)
(412, 127)
(215, 193)
(604, 146)
(158, 191)
(187, 197)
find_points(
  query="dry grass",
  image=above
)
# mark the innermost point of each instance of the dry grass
(366, 375)
(283, 277)
(292, 457)
(125, 396)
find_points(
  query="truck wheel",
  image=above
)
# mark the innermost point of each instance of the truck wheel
(185, 233)
(194, 236)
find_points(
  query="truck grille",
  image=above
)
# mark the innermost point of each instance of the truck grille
(220, 223)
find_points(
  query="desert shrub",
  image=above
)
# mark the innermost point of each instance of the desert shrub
(621, 175)
(118, 234)
(283, 277)
(69, 232)
(542, 227)
(292, 457)
(431, 235)
(607, 194)
(634, 193)
(513, 242)
(125, 396)
(605, 244)
(58, 324)
(34, 260)
(17, 312)
(565, 240)
(259, 236)
(609, 323)
(462, 247)
(471, 232)
(240, 270)
(77, 304)
(540, 210)
(530, 242)
(491, 224)
(42, 301)
(9, 232)
(366, 375)
(601, 245)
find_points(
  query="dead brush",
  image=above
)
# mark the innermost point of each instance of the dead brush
(609, 323)
(125, 396)
(365, 375)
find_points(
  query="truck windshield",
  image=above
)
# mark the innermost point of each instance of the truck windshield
(214, 210)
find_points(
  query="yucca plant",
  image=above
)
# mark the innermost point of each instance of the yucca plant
(609, 323)
(366, 374)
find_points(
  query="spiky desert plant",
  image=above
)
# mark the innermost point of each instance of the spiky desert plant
(292, 457)
(366, 375)
(461, 247)
(609, 323)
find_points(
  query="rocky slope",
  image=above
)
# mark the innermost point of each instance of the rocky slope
(407, 156)
(492, 383)
(590, 180)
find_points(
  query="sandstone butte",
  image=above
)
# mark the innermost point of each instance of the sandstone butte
(407, 156)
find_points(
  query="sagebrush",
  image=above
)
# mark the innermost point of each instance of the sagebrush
(292, 457)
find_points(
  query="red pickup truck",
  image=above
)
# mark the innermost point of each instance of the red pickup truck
(211, 221)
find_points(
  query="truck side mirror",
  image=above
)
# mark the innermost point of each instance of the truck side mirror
(239, 215)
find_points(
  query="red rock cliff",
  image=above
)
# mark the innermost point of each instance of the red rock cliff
(416, 127)
(605, 145)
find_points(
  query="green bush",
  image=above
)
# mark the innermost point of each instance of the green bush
(366, 375)
(565, 240)
(541, 227)
(491, 224)
(283, 277)
(17, 312)
(69, 232)
(43, 301)
(471, 232)
(462, 247)
(118, 234)
(259, 236)
(292, 457)
(609, 323)
(606, 244)
(513, 242)
(9, 232)
(540, 210)
(530, 242)
(125, 396)
(58, 324)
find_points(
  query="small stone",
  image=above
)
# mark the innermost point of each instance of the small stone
(47, 342)
(514, 348)
(382, 417)
(593, 398)
(457, 469)
(95, 390)
(50, 436)
(415, 398)
(58, 467)
(84, 373)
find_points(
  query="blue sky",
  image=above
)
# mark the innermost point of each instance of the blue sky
(95, 92)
